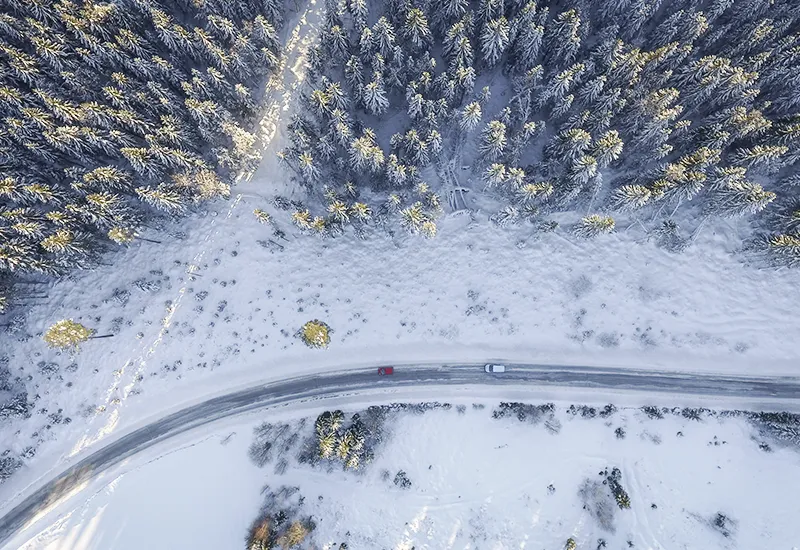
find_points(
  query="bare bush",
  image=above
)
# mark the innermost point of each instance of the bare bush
(599, 502)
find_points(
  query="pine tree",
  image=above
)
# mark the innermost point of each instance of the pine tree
(374, 96)
(607, 148)
(563, 39)
(308, 168)
(594, 225)
(415, 148)
(365, 154)
(416, 28)
(739, 197)
(569, 146)
(493, 140)
(631, 197)
(338, 44)
(530, 192)
(762, 156)
(495, 39)
(161, 199)
(384, 36)
(495, 175)
(470, 117)
(582, 170)
(785, 249)
(528, 40)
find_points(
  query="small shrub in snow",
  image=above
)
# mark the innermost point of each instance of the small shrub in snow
(279, 523)
(652, 412)
(620, 433)
(262, 216)
(570, 544)
(316, 334)
(583, 410)
(17, 406)
(281, 466)
(599, 502)
(260, 533)
(607, 411)
(67, 334)
(552, 425)
(401, 480)
(723, 524)
(614, 482)
(47, 368)
(694, 414)
(8, 465)
(667, 236)
(524, 412)
(271, 441)
(783, 427)
(293, 536)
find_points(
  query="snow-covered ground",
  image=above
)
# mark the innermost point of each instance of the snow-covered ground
(217, 305)
(219, 301)
(476, 482)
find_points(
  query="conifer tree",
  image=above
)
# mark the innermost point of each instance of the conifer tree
(374, 96)
(494, 140)
(495, 39)
(416, 28)
(591, 226)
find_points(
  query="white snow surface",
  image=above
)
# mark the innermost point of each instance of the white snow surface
(216, 306)
(477, 482)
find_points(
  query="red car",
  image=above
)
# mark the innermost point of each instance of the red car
(385, 371)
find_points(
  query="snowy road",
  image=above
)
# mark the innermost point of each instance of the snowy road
(328, 385)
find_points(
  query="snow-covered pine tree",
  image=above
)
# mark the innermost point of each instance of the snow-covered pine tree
(493, 140)
(495, 40)
(563, 39)
(373, 96)
(594, 225)
(738, 197)
(416, 28)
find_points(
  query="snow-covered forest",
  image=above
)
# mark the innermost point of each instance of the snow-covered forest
(636, 108)
(112, 111)
(659, 114)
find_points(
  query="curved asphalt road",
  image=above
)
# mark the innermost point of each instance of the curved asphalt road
(327, 385)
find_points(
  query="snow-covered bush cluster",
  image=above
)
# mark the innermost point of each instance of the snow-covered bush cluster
(336, 442)
(114, 110)
(280, 523)
(639, 108)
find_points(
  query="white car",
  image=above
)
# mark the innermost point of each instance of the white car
(491, 368)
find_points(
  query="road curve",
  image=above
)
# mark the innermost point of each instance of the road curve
(328, 385)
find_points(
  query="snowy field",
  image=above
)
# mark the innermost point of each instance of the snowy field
(219, 302)
(475, 482)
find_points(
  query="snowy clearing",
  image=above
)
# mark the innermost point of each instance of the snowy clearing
(475, 482)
